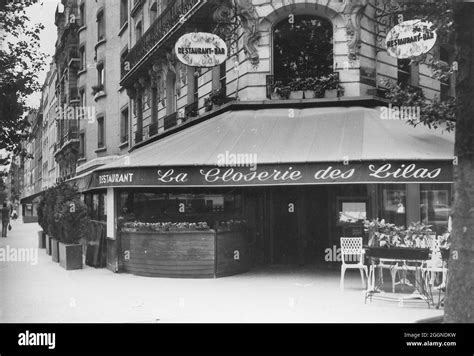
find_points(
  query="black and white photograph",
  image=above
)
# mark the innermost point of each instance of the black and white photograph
(208, 162)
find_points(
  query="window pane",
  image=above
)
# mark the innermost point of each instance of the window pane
(393, 204)
(435, 206)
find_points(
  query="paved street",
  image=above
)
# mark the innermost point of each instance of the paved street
(44, 292)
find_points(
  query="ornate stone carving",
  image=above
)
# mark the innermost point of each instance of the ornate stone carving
(353, 12)
(249, 20)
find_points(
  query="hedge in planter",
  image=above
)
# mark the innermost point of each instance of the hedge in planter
(75, 223)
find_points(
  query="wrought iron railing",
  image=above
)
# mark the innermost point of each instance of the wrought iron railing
(138, 136)
(153, 129)
(191, 110)
(170, 18)
(170, 121)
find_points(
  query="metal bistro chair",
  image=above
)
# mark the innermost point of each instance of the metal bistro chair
(352, 246)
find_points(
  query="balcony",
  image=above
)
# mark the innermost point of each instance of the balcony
(69, 140)
(138, 137)
(170, 121)
(153, 129)
(159, 29)
(191, 110)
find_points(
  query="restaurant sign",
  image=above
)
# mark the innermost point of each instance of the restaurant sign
(304, 173)
(410, 39)
(201, 49)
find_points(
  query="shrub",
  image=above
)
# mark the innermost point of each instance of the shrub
(74, 220)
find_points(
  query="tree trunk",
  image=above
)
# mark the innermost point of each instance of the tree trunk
(459, 307)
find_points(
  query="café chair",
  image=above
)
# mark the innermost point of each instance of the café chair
(351, 249)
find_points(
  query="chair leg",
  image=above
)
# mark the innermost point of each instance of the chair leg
(362, 277)
(343, 271)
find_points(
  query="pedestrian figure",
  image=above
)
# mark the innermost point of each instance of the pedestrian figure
(5, 219)
(14, 214)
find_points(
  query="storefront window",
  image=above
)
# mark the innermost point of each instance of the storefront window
(179, 207)
(394, 204)
(96, 204)
(435, 205)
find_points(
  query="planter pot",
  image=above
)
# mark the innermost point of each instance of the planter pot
(70, 256)
(275, 96)
(48, 245)
(309, 94)
(55, 250)
(295, 95)
(41, 239)
(402, 253)
(332, 93)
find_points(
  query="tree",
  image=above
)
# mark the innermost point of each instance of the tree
(453, 21)
(20, 61)
(460, 294)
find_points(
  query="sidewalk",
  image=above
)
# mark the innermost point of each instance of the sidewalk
(46, 293)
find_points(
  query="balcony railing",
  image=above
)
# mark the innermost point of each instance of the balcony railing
(164, 23)
(138, 136)
(153, 129)
(191, 110)
(170, 121)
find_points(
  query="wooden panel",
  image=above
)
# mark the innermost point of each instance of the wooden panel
(227, 244)
(173, 254)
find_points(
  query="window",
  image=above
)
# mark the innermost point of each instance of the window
(153, 12)
(303, 48)
(222, 78)
(404, 72)
(138, 31)
(193, 86)
(170, 93)
(82, 143)
(82, 58)
(82, 14)
(100, 26)
(124, 125)
(139, 113)
(100, 132)
(163, 207)
(101, 75)
(435, 206)
(154, 104)
(82, 98)
(393, 204)
(123, 12)
(123, 56)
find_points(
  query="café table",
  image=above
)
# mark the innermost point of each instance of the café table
(402, 259)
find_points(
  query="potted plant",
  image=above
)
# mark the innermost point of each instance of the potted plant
(296, 89)
(60, 193)
(313, 88)
(75, 223)
(331, 84)
(42, 223)
(280, 90)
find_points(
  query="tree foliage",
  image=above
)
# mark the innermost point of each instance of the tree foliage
(20, 62)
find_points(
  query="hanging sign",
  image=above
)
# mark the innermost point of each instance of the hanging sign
(410, 39)
(201, 49)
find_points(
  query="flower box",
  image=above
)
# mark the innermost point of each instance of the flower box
(55, 250)
(296, 95)
(309, 94)
(41, 239)
(399, 253)
(70, 256)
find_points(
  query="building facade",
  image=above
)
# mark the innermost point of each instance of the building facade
(290, 133)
